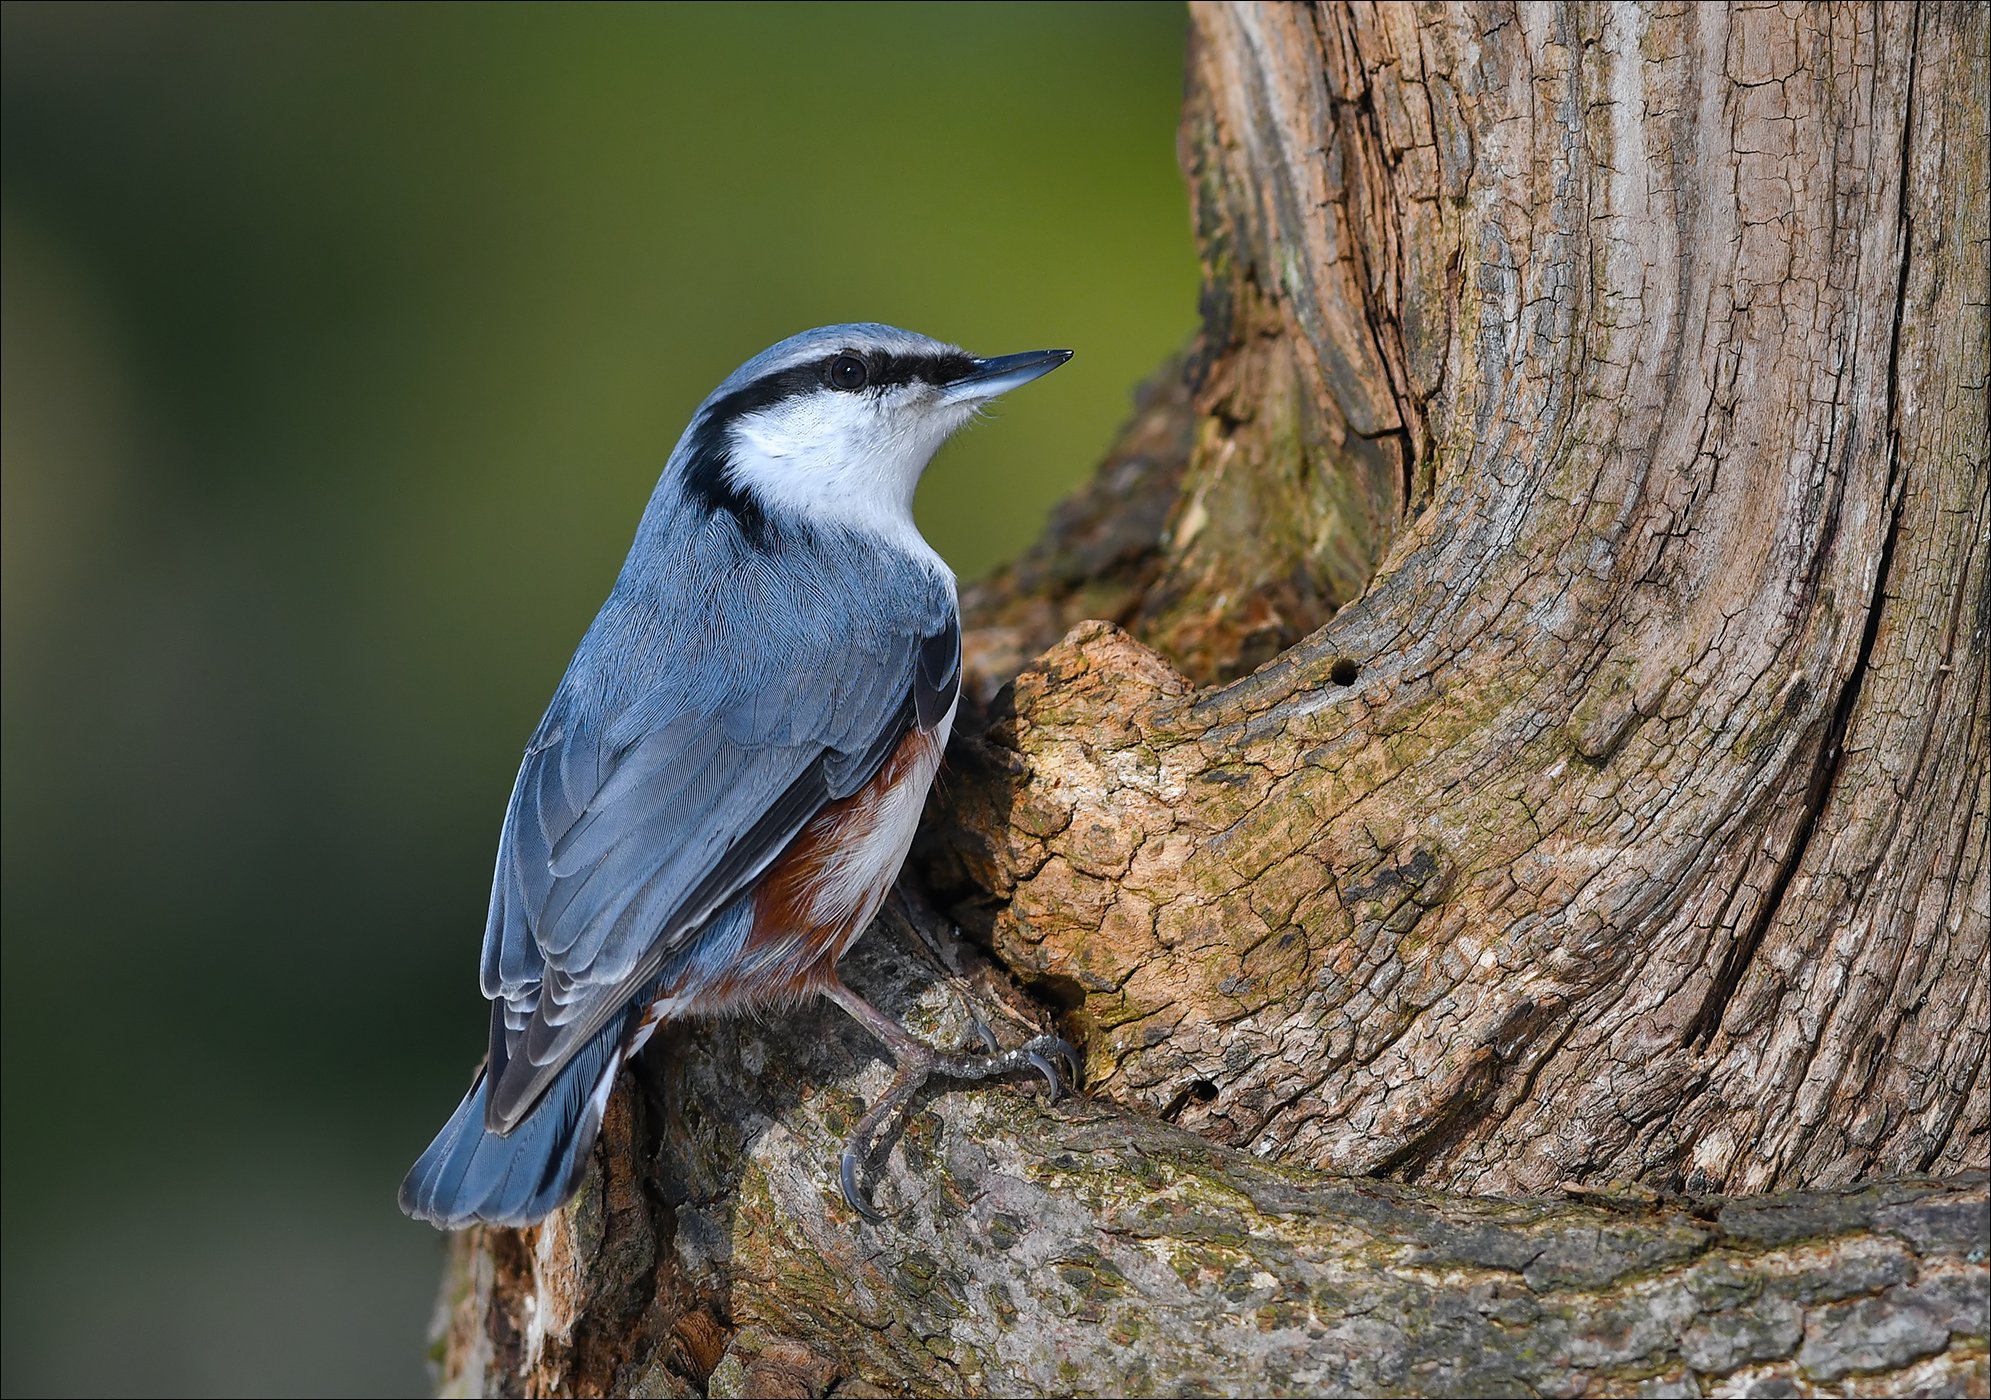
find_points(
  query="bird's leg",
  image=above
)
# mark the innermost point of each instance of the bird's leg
(918, 1062)
(917, 915)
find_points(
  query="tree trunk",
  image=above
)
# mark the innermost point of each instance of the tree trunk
(1587, 446)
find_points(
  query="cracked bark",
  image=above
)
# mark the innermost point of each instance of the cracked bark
(1587, 448)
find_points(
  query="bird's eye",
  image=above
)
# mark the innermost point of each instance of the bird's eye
(848, 372)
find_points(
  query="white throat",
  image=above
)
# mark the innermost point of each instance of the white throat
(851, 459)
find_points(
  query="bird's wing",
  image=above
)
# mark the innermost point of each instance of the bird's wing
(625, 833)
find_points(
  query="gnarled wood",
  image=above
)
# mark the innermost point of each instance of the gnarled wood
(1590, 427)
(1648, 840)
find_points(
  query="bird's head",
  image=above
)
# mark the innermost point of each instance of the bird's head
(836, 424)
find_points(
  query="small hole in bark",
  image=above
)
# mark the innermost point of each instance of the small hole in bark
(1195, 1091)
(1344, 671)
(1062, 994)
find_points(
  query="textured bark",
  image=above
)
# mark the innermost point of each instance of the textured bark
(1588, 436)
(1648, 839)
(1088, 1250)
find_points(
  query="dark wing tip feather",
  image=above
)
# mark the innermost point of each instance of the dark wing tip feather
(938, 679)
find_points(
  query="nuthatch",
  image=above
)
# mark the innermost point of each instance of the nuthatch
(729, 776)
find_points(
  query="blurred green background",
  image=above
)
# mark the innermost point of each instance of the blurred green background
(342, 346)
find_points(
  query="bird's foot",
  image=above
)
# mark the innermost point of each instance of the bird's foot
(918, 1062)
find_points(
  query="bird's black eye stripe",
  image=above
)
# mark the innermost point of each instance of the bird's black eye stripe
(875, 369)
(889, 370)
(847, 372)
(881, 371)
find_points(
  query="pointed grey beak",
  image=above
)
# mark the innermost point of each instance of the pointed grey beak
(1001, 374)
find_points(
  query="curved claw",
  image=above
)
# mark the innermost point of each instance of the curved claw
(853, 1194)
(1046, 1047)
(1050, 1073)
(918, 1062)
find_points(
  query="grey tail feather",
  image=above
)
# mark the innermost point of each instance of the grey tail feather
(471, 1175)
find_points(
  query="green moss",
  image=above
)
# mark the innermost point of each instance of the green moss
(1092, 1276)
(919, 1267)
(1003, 1231)
(1000, 1304)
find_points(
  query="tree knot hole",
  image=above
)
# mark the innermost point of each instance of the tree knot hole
(1066, 999)
(1344, 671)
(1062, 994)
(1195, 1091)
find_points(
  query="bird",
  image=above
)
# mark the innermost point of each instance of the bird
(730, 772)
